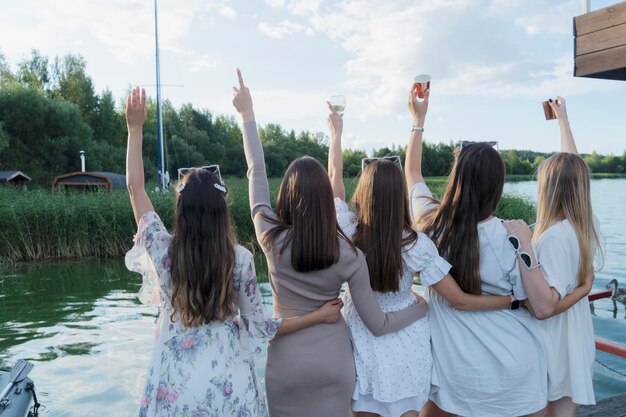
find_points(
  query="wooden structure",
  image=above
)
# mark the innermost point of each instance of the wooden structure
(600, 43)
(90, 181)
(16, 178)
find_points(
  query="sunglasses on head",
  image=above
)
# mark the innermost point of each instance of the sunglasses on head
(466, 143)
(395, 159)
(527, 260)
(213, 169)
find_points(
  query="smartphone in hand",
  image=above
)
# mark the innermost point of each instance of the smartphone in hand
(548, 111)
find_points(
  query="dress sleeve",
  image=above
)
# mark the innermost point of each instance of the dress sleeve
(421, 200)
(258, 186)
(149, 256)
(552, 256)
(424, 258)
(366, 304)
(256, 320)
(345, 218)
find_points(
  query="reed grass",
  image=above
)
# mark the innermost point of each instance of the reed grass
(40, 224)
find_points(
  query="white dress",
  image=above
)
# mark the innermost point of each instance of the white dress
(204, 371)
(486, 363)
(569, 337)
(393, 371)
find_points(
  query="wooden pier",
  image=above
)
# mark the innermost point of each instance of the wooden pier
(614, 406)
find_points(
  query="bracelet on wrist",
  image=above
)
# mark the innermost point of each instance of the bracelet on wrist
(417, 128)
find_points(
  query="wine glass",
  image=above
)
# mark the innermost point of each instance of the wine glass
(338, 103)
(422, 83)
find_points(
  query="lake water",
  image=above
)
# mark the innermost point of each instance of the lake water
(90, 339)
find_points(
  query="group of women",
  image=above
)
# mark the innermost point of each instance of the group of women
(506, 330)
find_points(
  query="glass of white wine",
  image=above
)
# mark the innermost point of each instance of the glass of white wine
(338, 103)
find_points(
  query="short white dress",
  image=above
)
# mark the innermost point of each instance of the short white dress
(393, 371)
(486, 363)
(208, 370)
(569, 337)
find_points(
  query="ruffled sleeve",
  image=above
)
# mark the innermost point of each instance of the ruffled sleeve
(345, 218)
(148, 257)
(424, 258)
(258, 324)
(421, 200)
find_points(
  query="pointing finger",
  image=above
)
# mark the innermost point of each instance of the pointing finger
(241, 84)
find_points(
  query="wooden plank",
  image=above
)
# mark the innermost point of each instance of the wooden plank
(600, 19)
(614, 406)
(599, 62)
(602, 39)
(600, 294)
(611, 347)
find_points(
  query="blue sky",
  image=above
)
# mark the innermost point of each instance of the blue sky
(492, 62)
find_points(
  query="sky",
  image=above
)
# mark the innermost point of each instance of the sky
(492, 62)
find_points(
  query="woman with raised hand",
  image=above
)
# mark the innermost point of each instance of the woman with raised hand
(212, 320)
(566, 239)
(487, 363)
(393, 371)
(310, 372)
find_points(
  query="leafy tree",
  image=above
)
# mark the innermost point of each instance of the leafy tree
(33, 71)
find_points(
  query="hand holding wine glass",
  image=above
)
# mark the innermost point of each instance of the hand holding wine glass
(418, 109)
(335, 121)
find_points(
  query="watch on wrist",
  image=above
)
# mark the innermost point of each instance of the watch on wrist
(515, 304)
(417, 128)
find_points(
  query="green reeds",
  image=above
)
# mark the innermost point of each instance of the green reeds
(38, 225)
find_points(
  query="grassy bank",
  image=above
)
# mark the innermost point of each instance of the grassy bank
(39, 225)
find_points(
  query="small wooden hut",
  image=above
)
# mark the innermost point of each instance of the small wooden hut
(15, 178)
(90, 181)
(600, 43)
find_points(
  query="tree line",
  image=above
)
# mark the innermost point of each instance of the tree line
(49, 111)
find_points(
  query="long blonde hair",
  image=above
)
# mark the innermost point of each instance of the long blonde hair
(564, 193)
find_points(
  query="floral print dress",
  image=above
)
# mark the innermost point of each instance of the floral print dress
(205, 371)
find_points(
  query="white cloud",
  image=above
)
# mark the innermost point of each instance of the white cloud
(204, 62)
(284, 28)
(228, 12)
(470, 47)
(275, 3)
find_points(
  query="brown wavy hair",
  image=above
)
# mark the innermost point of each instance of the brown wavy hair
(305, 210)
(472, 194)
(202, 253)
(382, 209)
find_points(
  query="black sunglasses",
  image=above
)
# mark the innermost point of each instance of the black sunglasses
(466, 143)
(395, 159)
(524, 256)
(213, 169)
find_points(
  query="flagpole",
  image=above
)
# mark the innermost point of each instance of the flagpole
(160, 139)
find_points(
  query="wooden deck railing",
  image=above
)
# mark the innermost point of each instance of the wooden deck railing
(603, 344)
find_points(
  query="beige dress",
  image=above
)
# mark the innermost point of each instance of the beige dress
(311, 372)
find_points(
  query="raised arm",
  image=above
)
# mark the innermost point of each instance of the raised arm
(335, 158)
(413, 162)
(258, 186)
(567, 138)
(136, 113)
(457, 298)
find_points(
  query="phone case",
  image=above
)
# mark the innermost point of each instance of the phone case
(548, 111)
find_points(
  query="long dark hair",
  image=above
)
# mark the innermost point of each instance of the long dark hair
(306, 211)
(473, 192)
(381, 203)
(202, 252)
